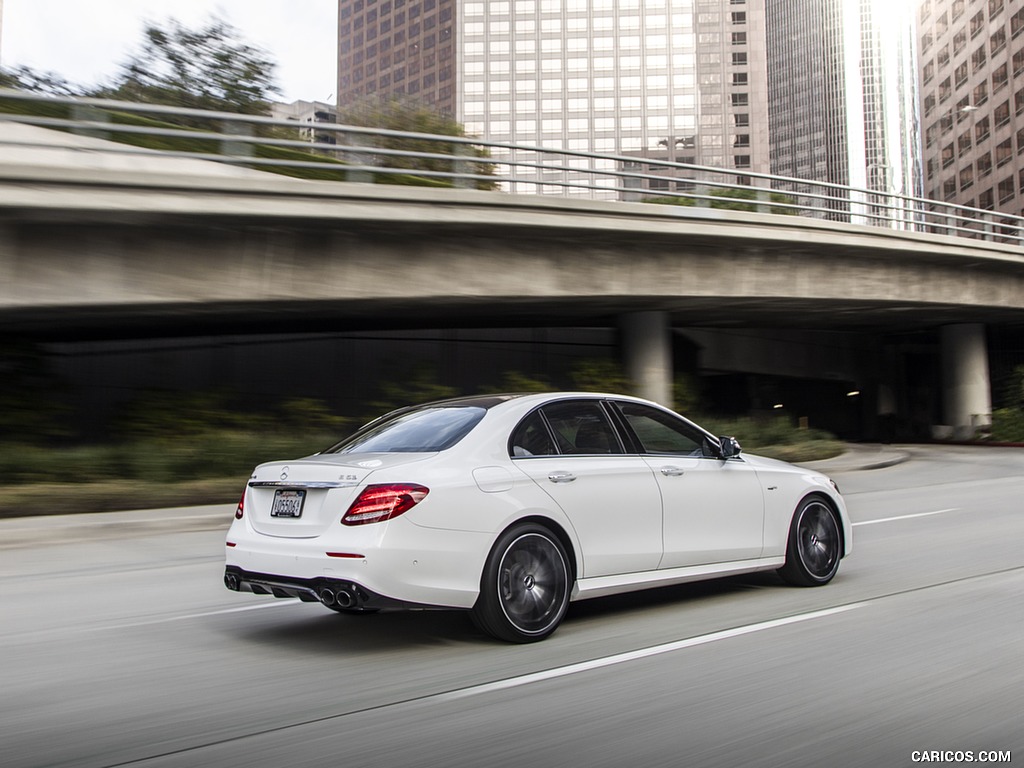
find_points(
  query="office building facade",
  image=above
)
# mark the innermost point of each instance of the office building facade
(972, 89)
(627, 77)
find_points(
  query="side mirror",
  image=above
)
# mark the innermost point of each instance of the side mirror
(730, 447)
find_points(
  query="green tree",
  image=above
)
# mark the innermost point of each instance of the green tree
(747, 199)
(23, 78)
(208, 68)
(396, 114)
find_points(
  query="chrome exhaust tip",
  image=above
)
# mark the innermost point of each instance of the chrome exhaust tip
(327, 596)
(344, 599)
(231, 582)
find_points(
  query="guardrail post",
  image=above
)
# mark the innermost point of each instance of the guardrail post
(461, 166)
(764, 200)
(358, 159)
(236, 148)
(86, 113)
(988, 227)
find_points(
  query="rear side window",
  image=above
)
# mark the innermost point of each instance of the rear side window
(531, 438)
(422, 431)
(582, 428)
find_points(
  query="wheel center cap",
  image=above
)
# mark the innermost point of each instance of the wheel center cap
(529, 581)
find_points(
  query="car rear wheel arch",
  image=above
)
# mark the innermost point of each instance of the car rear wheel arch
(559, 532)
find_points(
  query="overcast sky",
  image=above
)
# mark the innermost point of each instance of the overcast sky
(84, 41)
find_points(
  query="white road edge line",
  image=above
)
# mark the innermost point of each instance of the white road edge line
(906, 517)
(642, 653)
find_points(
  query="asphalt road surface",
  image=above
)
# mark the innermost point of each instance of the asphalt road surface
(119, 646)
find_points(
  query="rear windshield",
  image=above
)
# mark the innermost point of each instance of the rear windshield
(421, 431)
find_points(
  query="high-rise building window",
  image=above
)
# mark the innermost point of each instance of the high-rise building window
(997, 42)
(948, 156)
(966, 177)
(1000, 78)
(1017, 23)
(959, 41)
(980, 93)
(1002, 114)
(977, 23)
(985, 201)
(1004, 152)
(981, 129)
(984, 163)
(1006, 190)
(994, 7)
(960, 74)
(978, 59)
(957, 9)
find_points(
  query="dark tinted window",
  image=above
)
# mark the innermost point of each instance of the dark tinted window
(531, 438)
(421, 431)
(581, 427)
(660, 432)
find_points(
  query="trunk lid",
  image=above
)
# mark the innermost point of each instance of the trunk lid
(304, 498)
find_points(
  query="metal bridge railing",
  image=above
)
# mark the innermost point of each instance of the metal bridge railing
(355, 153)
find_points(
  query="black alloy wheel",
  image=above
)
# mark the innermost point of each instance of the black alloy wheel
(524, 590)
(815, 545)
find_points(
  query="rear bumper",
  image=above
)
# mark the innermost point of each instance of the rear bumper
(340, 593)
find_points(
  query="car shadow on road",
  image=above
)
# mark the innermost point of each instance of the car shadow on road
(312, 629)
(676, 595)
(318, 630)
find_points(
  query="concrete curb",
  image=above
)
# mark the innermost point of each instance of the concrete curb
(860, 457)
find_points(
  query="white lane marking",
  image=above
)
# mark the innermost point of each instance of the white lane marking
(642, 653)
(905, 517)
(276, 604)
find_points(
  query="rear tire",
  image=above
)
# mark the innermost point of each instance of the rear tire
(524, 589)
(815, 545)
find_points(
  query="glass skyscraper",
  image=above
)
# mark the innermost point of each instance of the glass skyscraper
(633, 77)
(843, 93)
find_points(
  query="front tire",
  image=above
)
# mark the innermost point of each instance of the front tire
(524, 589)
(815, 545)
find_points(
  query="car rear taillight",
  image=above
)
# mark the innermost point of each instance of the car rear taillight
(240, 510)
(382, 502)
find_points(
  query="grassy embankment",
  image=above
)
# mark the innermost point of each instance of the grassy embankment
(211, 468)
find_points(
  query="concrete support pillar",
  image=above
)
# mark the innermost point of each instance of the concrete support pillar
(966, 387)
(647, 354)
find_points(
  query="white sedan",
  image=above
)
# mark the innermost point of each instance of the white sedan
(511, 506)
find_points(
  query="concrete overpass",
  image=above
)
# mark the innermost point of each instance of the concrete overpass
(94, 246)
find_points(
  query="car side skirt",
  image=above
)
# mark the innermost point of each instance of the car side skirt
(601, 586)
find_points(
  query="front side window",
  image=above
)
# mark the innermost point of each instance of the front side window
(425, 430)
(660, 432)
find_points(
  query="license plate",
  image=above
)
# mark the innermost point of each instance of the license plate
(287, 504)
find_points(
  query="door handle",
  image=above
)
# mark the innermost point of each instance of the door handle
(671, 471)
(561, 477)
